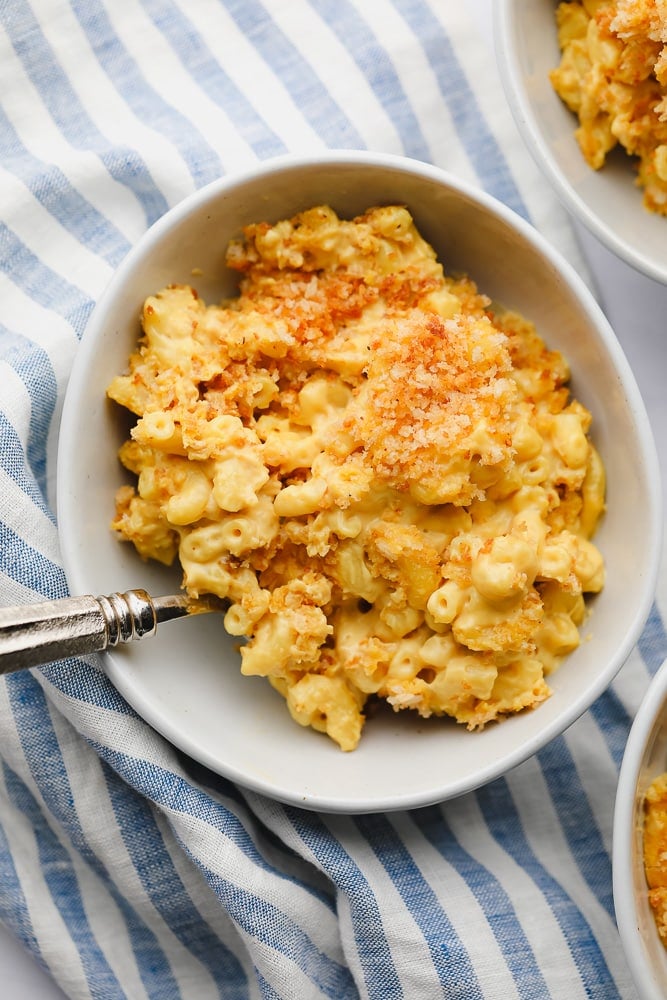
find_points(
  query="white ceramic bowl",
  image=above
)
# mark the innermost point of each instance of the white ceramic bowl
(644, 759)
(186, 680)
(607, 201)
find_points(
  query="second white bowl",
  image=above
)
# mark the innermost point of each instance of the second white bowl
(645, 758)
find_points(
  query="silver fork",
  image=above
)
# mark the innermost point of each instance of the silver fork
(34, 634)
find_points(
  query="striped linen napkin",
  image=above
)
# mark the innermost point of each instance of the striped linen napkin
(127, 870)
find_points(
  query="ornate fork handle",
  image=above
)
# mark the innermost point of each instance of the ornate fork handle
(34, 634)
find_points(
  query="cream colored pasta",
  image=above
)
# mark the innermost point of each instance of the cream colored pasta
(383, 476)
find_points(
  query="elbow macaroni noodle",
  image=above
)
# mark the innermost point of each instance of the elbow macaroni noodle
(613, 76)
(384, 476)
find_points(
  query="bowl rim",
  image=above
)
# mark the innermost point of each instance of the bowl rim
(527, 124)
(652, 706)
(67, 525)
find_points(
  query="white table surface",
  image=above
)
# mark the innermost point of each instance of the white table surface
(637, 309)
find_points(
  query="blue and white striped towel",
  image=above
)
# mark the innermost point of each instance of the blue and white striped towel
(128, 871)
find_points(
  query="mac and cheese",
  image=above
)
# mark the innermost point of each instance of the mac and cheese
(384, 476)
(655, 851)
(613, 75)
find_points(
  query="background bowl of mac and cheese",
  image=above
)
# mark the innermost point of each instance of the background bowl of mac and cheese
(186, 681)
(606, 201)
(644, 759)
